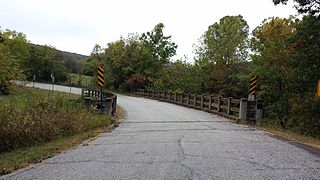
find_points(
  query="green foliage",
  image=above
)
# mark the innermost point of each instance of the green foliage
(79, 80)
(179, 76)
(24, 59)
(286, 60)
(16, 43)
(13, 50)
(133, 62)
(9, 69)
(42, 62)
(304, 63)
(160, 46)
(271, 55)
(221, 55)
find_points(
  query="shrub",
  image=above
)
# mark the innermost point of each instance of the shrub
(37, 118)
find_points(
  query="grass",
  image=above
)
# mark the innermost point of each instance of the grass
(22, 157)
(80, 80)
(71, 127)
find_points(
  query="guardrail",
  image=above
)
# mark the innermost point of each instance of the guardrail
(231, 108)
(92, 101)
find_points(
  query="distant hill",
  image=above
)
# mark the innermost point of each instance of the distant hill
(73, 56)
(67, 55)
(72, 60)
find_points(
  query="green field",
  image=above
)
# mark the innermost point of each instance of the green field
(80, 80)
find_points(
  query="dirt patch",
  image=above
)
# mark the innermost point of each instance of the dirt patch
(290, 136)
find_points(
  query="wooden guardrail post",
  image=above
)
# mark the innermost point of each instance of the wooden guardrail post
(114, 106)
(210, 102)
(243, 110)
(188, 98)
(219, 104)
(258, 115)
(229, 105)
(108, 105)
(202, 99)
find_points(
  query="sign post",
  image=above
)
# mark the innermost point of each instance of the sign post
(252, 88)
(52, 78)
(101, 84)
(34, 79)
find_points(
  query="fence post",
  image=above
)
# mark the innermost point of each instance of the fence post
(195, 100)
(169, 96)
(219, 104)
(202, 99)
(229, 105)
(114, 106)
(181, 98)
(153, 94)
(243, 110)
(258, 115)
(108, 106)
(175, 97)
(210, 102)
(188, 98)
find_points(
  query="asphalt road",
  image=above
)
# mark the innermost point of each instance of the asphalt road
(158, 140)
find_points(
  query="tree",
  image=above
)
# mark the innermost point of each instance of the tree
(160, 46)
(16, 42)
(9, 70)
(272, 49)
(305, 64)
(222, 48)
(312, 7)
(179, 76)
(13, 49)
(42, 62)
(136, 61)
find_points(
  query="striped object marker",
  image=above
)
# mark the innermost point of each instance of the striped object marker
(253, 85)
(100, 76)
(318, 88)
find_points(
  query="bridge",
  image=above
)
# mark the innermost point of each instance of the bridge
(161, 140)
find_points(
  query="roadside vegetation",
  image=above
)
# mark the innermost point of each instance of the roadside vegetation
(80, 80)
(35, 124)
(283, 53)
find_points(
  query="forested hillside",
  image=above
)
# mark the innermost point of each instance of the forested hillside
(21, 60)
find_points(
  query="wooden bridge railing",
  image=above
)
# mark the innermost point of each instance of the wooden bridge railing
(92, 101)
(228, 107)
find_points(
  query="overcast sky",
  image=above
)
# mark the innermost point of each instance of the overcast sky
(77, 25)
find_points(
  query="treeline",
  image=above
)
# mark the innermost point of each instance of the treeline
(283, 52)
(21, 60)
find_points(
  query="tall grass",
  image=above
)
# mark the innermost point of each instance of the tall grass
(31, 116)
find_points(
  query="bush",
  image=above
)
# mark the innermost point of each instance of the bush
(28, 120)
(305, 116)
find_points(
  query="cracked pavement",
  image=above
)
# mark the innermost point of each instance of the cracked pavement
(158, 140)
